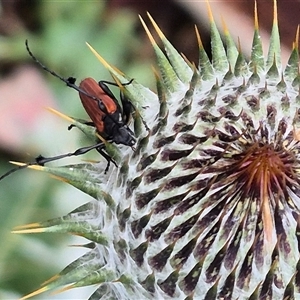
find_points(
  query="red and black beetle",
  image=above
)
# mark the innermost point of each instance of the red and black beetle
(109, 119)
(104, 110)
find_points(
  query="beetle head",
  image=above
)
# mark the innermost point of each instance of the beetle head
(123, 135)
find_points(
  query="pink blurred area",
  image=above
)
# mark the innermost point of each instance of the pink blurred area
(23, 98)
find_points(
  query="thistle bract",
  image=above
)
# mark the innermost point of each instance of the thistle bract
(207, 206)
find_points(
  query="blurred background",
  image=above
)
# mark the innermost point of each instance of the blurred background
(57, 32)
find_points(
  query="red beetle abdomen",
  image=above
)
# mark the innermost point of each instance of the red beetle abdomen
(92, 105)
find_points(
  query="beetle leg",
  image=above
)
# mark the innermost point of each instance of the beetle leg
(41, 160)
(128, 107)
(89, 123)
(107, 157)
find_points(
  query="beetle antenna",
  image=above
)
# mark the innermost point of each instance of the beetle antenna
(70, 82)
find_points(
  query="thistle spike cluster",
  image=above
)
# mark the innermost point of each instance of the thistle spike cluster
(207, 207)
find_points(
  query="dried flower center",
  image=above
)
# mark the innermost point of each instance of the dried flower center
(263, 172)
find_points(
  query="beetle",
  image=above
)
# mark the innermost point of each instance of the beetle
(109, 119)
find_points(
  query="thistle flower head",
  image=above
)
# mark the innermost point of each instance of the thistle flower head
(207, 206)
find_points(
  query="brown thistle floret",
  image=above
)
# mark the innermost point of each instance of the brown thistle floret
(264, 171)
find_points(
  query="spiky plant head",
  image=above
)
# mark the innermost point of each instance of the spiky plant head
(207, 206)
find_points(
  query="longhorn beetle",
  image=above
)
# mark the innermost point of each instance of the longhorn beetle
(109, 119)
